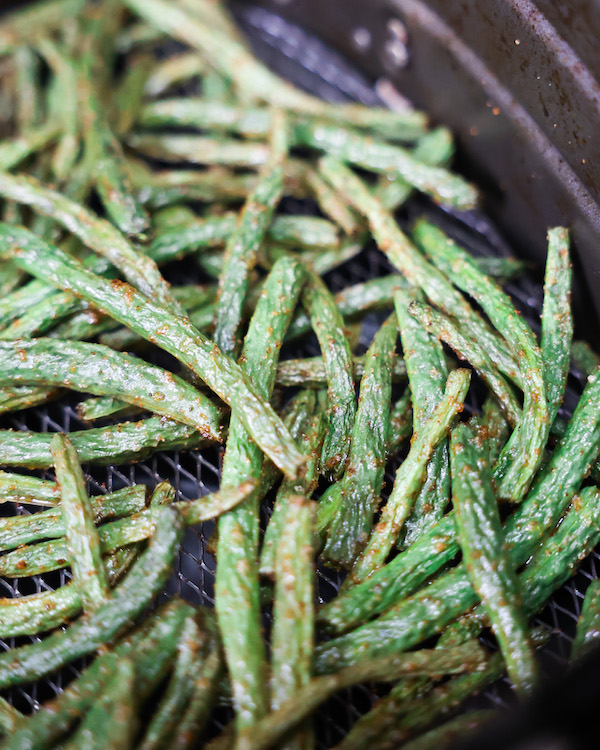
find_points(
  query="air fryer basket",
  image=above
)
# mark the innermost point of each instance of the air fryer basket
(523, 196)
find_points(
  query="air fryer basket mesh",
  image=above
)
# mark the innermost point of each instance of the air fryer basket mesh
(307, 62)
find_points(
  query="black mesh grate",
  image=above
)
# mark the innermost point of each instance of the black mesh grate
(311, 65)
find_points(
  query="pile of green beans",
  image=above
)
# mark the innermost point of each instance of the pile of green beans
(448, 523)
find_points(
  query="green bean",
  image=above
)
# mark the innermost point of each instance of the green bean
(410, 476)
(237, 590)
(113, 444)
(392, 722)
(101, 145)
(105, 406)
(243, 245)
(146, 579)
(449, 596)
(522, 455)
(451, 731)
(495, 426)
(361, 485)
(110, 724)
(557, 319)
(42, 18)
(179, 688)
(254, 122)
(17, 488)
(198, 711)
(15, 150)
(96, 369)
(584, 357)
(331, 203)
(39, 318)
(129, 96)
(172, 71)
(427, 373)
(369, 153)
(49, 524)
(311, 373)
(46, 556)
(94, 232)
(305, 231)
(36, 613)
(136, 35)
(81, 535)
(323, 261)
(153, 645)
(195, 149)
(165, 188)
(254, 81)
(22, 299)
(482, 543)
(500, 268)
(467, 349)
(434, 148)
(401, 422)
(29, 105)
(449, 661)
(10, 278)
(175, 335)
(329, 328)
(392, 582)
(588, 625)
(66, 152)
(293, 609)
(560, 556)
(9, 717)
(123, 339)
(311, 428)
(410, 262)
